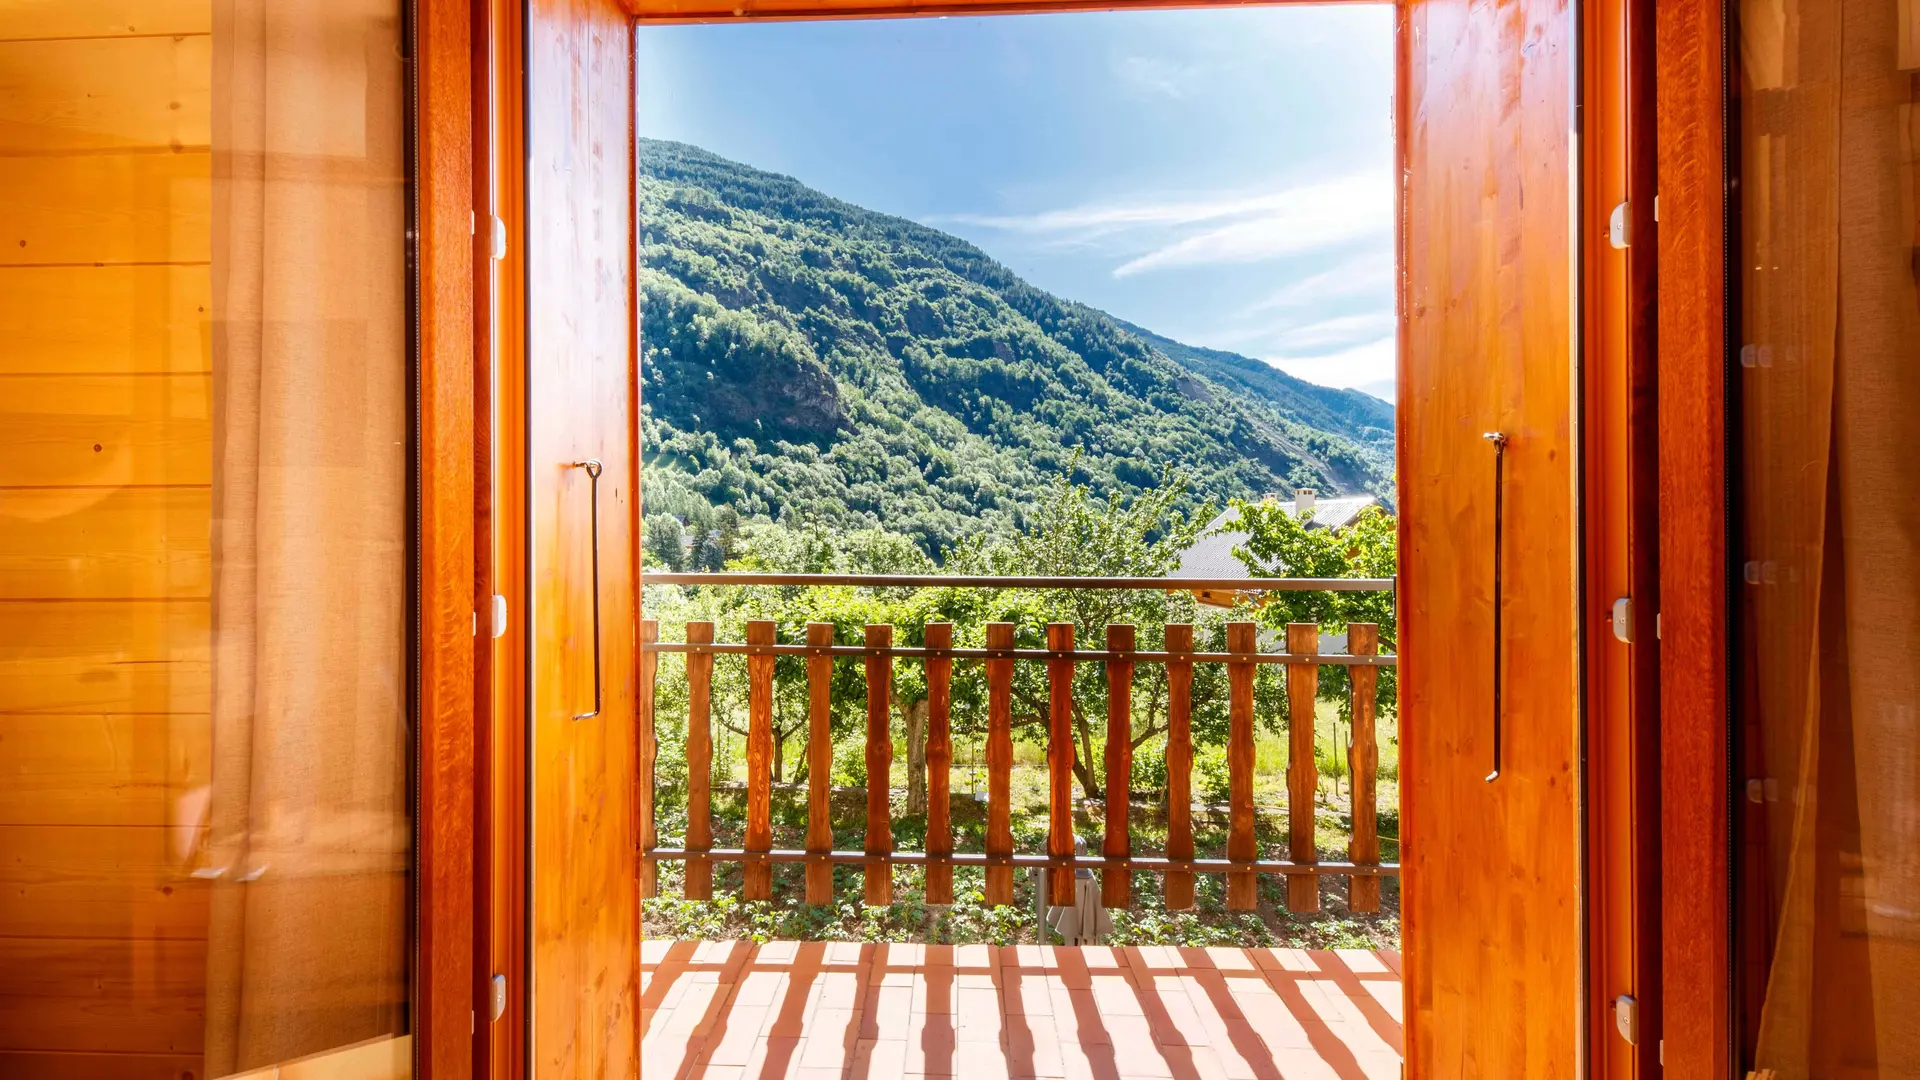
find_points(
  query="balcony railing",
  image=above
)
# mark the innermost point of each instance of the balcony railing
(1116, 862)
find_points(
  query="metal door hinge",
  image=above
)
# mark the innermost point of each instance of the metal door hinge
(1623, 619)
(499, 615)
(1617, 228)
(1626, 1019)
(497, 245)
(497, 1007)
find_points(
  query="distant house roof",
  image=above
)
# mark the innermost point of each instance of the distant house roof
(1212, 555)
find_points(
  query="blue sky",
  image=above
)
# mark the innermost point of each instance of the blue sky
(1222, 177)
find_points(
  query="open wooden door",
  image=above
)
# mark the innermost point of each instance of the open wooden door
(1489, 585)
(583, 506)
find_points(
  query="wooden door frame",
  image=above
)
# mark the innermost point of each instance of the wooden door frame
(1619, 407)
(1696, 660)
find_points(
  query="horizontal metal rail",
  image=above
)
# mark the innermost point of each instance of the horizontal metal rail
(1139, 657)
(970, 858)
(993, 581)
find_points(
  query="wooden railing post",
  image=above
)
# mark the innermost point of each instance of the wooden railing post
(647, 749)
(939, 763)
(1303, 769)
(1178, 884)
(1060, 761)
(1363, 758)
(879, 883)
(1116, 882)
(699, 876)
(1243, 887)
(999, 844)
(819, 766)
(758, 873)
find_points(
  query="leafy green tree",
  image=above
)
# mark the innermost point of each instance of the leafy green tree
(1280, 544)
(665, 541)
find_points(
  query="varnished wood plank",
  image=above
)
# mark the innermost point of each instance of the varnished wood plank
(647, 753)
(81, 210)
(1060, 762)
(1116, 883)
(1696, 958)
(130, 543)
(105, 656)
(102, 995)
(1243, 889)
(820, 764)
(57, 769)
(449, 419)
(29, 20)
(105, 430)
(939, 635)
(999, 888)
(1363, 757)
(699, 870)
(106, 320)
(99, 94)
(1491, 914)
(81, 1065)
(1178, 884)
(758, 884)
(111, 882)
(1303, 768)
(879, 876)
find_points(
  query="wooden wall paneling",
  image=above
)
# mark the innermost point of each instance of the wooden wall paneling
(102, 883)
(1491, 885)
(445, 1012)
(99, 431)
(581, 388)
(54, 323)
(1695, 661)
(93, 995)
(71, 1065)
(116, 543)
(74, 95)
(94, 656)
(109, 769)
(35, 20)
(147, 205)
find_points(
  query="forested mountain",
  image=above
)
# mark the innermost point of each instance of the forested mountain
(809, 360)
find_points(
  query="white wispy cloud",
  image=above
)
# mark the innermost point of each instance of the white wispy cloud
(1368, 366)
(1369, 274)
(1240, 227)
(1155, 75)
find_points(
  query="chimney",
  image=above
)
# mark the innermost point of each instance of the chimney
(1303, 502)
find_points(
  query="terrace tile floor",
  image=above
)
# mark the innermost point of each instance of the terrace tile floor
(732, 1010)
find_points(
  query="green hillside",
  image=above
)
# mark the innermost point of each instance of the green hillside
(809, 360)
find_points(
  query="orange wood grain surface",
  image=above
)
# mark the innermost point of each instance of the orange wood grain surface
(582, 390)
(1243, 889)
(698, 883)
(939, 763)
(758, 875)
(647, 754)
(1178, 884)
(1116, 882)
(1491, 881)
(1363, 758)
(999, 888)
(1060, 763)
(819, 764)
(879, 876)
(1303, 768)
(1696, 955)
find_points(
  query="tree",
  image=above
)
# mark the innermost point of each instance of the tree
(1280, 545)
(666, 541)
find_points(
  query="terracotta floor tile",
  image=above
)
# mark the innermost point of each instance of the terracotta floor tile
(1391, 958)
(935, 993)
(1115, 994)
(774, 1058)
(879, 1059)
(760, 987)
(1033, 1049)
(1174, 1018)
(835, 990)
(932, 1045)
(721, 1072)
(734, 1043)
(697, 1010)
(1025, 995)
(977, 1010)
(829, 1050)
(885, 1012)
(1076, 1017)
(1135, 1049)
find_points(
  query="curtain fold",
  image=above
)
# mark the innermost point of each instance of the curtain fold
(310, 839)
(1832, 518)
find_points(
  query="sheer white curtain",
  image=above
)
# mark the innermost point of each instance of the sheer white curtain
(310, 836)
